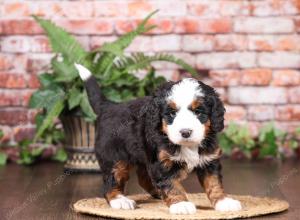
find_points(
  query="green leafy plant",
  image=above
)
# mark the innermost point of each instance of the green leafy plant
(3, 156)
(62, 90)
(236, 137)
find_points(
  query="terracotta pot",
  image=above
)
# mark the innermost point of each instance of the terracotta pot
(80, 142)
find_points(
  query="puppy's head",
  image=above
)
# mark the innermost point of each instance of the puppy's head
(189, 111)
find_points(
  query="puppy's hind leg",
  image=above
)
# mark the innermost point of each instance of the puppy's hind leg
(114, 184)
(146, 183)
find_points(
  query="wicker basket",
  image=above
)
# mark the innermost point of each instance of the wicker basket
(80, 142)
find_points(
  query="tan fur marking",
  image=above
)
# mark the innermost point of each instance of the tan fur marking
(176, 194)
(164, 127)
(113, 194)
(121, 173)
(213, 188)
(207, 127)
(164, 158)
(195, 104)
(172, 105)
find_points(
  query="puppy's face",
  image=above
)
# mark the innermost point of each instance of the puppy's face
(185, 117)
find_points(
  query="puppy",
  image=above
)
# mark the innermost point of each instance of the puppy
(166, 136)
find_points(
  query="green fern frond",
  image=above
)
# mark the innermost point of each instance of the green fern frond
(109, 51)
(62, 42)
(139, 61)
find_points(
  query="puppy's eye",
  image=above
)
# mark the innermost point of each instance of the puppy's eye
(172, 114)
(199, 112)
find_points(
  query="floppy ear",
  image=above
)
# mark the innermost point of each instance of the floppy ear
(153, 115)
(217, 112)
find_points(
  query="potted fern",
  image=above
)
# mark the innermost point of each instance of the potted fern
(62, 94)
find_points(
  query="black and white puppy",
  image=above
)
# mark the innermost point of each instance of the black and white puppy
(166, 136)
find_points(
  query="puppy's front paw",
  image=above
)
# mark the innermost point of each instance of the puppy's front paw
(183, 208)
(228, 204)
(122, 202)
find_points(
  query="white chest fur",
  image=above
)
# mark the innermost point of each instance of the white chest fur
(190, 156)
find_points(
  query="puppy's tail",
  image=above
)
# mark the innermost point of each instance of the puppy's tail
(96, 98)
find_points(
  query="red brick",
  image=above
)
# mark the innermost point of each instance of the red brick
(286, 78)
(38, 62)
(20, 27)
(33, 81)
(170, 8)
(226, 60)
(260, 113)
(230, 42)
(225, 77)
(215, 8)
(297, 23)
(263, 25)
(10, 98)
(195, 43)
(274, 7)
(15, 97)
(8, 80)
(21, 133)
(257, 95)
(73, 9)
(110, 9)
(256, 76)
(13, 116)
(139, 8)
(272, 42)
(194, 25)
(166, 43)
(234, 113)
(87, 26)
(16, 9)
(5, 63)
(140, 44)
(294, 94)
(288, 113)
(279, 60)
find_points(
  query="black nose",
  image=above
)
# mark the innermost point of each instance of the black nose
(186, 133)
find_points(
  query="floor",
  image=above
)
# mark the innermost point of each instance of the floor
(45, 192)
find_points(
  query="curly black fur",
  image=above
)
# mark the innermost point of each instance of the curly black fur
(132, 132)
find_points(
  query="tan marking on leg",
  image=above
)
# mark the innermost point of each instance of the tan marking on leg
(113, 194)
(213, 188)
(164, 158)
(121, 174)
(175, 194)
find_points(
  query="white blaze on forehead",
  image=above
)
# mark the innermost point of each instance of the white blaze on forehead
(183, 93)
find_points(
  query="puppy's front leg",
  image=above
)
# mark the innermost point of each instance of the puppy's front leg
(211, 179)
(166, 179)
(175, 197)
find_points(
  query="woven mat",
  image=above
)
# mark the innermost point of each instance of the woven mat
(148, 208)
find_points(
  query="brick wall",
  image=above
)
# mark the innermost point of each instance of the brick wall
(248, 50)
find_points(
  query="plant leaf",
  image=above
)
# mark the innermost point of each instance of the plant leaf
(60, 155)
(3, 159)
(52, 113)
(61, 41)
(75, 98)
(87, 109)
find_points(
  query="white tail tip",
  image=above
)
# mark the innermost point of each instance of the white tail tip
(83, 72)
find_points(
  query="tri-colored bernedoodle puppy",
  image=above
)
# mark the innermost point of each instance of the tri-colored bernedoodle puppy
(166, 136)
